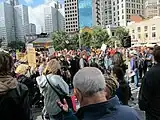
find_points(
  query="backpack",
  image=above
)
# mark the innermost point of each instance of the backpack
(12, 105)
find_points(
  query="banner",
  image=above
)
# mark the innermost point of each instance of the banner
(103, 48)
(31, 55)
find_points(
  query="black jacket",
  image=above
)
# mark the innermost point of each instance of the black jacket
(110, 110)
(14, 105)
(149, 96)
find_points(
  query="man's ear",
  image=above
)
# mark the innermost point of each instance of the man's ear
(77, 94)
(107, 92)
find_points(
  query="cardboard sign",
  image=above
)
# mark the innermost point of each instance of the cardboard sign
(31, 55)
(103, 48)
(28, 46)
(51, 51)
(19, 55)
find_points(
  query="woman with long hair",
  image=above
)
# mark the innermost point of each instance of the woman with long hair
(46, 84)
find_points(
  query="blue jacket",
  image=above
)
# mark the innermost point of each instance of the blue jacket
(110, 110)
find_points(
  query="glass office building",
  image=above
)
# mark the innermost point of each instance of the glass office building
(85, 13)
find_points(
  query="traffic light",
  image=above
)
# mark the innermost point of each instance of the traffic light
(126, 42)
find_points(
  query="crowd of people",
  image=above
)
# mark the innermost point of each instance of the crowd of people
(96, 78)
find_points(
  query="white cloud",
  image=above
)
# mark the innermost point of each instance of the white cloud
(36, 14)
(28, 1)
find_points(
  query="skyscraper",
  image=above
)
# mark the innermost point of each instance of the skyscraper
(99, 7)
(50, 18)
(7, 27)
(152, 8)
(85, 13)
(12, 2)
(32, 29)
(120, 11)
(21, 21)
(54, 17)
(71, 16)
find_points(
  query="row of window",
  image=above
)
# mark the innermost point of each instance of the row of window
(71, 11)
(135, 1)
(72, 15)
(145, 35)
(66, 1)
(73, 22)
(68, 19)
(134, 11)
(70, 8)
(71, 30)
(71, 4)
(145, 29)
(134, 5)
(72, 26)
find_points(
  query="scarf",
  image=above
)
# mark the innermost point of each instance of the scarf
(7, 83)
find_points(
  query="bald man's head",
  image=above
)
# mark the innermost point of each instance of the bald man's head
(89, 81)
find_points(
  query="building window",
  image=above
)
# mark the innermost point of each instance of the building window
(139, 36)
(145, 28)
(139, 29)
(122, 16)
(113, 33)
(146, 35)
(122, 5)
(153, 35)
(133, 36)
(153, 28)
(133, 31)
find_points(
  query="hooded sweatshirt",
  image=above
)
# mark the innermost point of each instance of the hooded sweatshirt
(7, 83)
(50, 97)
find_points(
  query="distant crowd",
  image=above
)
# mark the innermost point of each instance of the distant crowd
(98, 80)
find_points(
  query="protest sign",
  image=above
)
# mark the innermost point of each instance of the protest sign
(31, 55)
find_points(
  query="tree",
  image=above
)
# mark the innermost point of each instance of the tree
(121, 32)
(16, 45)
(74, 42)
(62, 40)
(86, 39)
(99, 36)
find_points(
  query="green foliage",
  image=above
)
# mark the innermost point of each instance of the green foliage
(86, 38)
(100, 36)
(16, 45)
(62, 40)
(121, 32)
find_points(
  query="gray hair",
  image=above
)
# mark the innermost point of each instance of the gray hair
(89, 81)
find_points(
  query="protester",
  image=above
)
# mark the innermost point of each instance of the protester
(149, 96)
(134, 68)
(123, 92)
(89, 86)
(50, 96)
(111, 86)
(108, 61)
(42, 66)
(14, 99)
(21, 72)
(83, 60)
(118, 61)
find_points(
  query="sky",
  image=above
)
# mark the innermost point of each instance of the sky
(35, 3)
(36, 11)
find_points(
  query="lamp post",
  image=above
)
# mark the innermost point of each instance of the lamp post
(79, 38)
